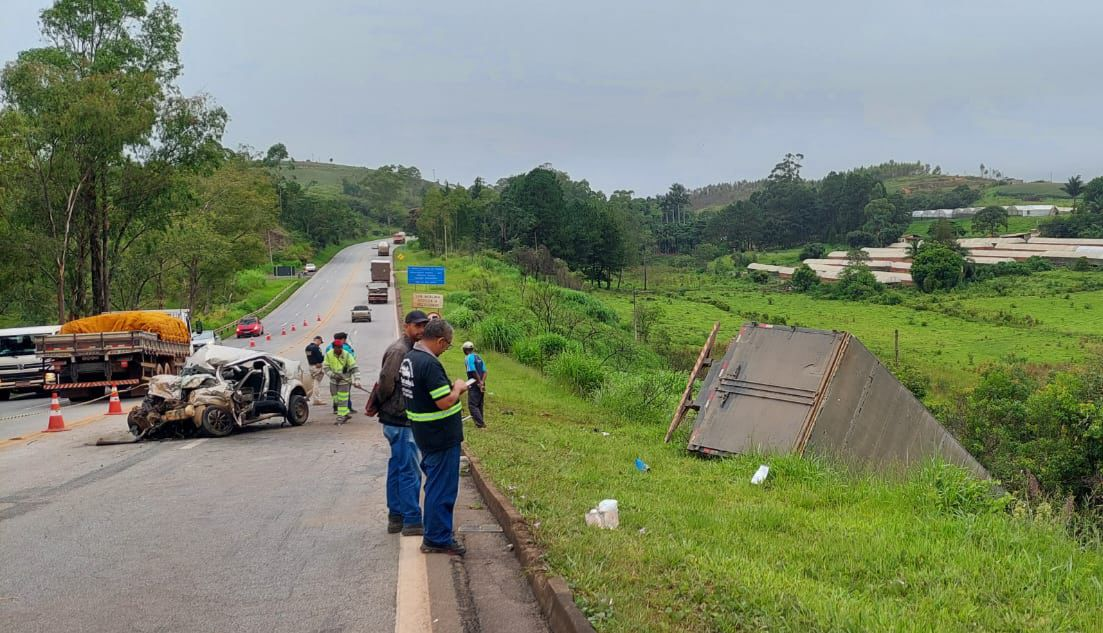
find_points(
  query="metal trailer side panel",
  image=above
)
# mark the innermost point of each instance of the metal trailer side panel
(767, 390)
(870, 419)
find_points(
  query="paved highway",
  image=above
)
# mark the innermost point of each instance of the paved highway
(270, 529)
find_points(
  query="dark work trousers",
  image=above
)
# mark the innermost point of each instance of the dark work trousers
(442, 485)
(475, 404)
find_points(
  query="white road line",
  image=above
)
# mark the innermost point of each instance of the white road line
(412, 596)
(193, 444)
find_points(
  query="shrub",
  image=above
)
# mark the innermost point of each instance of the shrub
(916, 382)
(536, 351)
(526, 351)
(551, 345)
(459, 298)
(579, 371)
(804, 278)
(856, 283)
(860, 239)
(250, 279)
(590, 306)
(498, 334)
(815, 250)
(462, 317)
(760, 276)
(644, 397)
(1082, 265)
(937, 267)
(474, 304)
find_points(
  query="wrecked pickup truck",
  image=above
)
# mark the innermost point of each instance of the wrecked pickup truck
(221, 389)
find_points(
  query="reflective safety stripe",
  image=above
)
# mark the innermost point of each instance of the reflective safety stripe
(440, 392)
(342, 400)
(436, 415)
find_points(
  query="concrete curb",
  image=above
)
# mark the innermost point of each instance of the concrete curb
(552, 593)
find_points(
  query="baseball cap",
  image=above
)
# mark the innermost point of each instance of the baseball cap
(468, 345)
(416, 316)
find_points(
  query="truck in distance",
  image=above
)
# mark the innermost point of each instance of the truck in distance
(20, 370)
(381, 271)
(377, 292)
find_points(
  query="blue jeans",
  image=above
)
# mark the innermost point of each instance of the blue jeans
(403, 477)
(442, 485)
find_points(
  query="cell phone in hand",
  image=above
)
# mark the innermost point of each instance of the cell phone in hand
(471, 382)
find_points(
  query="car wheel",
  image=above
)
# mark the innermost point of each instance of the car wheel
(298, 411)
(217, 421)
(4, 395)
(369, 319)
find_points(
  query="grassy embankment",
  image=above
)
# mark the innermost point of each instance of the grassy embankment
(815, 549)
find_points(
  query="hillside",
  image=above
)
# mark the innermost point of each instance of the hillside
(327, 176)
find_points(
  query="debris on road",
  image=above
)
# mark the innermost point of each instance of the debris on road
(760, 474)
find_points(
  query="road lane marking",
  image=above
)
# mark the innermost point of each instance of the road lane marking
(412, 594)
(29, 437)
(193, 444)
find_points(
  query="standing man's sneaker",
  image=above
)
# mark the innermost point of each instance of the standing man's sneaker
(455, 548)
(414, 529)
(394, 523)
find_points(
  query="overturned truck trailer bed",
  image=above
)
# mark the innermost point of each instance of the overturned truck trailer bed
(786, 389)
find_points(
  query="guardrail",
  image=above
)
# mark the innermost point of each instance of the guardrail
(265, 309)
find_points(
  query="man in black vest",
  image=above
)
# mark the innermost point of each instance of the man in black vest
(433, 408)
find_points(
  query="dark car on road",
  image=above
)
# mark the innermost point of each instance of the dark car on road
(249, 326)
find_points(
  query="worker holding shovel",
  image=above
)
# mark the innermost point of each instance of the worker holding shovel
(343, 374)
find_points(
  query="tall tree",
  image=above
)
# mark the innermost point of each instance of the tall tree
(105, 90)
(1073, 187)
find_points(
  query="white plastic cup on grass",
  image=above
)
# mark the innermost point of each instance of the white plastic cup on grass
(760, 474)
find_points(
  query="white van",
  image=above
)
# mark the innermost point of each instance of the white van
(20, 369)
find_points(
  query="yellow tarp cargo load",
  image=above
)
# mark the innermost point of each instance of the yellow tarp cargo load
(169, 328)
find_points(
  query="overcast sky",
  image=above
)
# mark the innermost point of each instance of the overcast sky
(630, 97)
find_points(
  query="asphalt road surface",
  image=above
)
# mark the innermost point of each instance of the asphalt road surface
(271, 529)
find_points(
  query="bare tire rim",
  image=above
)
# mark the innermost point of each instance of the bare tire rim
(219, 421)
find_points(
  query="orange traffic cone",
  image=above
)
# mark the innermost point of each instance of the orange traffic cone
(57, 423)
(283, 332)
(319, 318)
(114, 405)
(268, 337)
(304, 322)
(252, 342)
(292, 327)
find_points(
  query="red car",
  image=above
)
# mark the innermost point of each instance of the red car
(249, 326)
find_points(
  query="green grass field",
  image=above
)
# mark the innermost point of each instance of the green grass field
(814, 549)
(327, 175)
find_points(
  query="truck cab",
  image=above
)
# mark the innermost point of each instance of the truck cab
(20, 370)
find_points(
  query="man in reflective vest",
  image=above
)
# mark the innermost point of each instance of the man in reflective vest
(433, 408)
(343, 374)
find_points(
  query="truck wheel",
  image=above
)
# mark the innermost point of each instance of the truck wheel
(298, 410)
(82, 395)
(217, 421)
(4, 395)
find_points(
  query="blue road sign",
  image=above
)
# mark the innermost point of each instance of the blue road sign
(425, 275)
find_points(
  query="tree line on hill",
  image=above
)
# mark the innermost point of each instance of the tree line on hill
(116, 191)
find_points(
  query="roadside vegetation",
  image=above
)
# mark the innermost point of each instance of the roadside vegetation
(117, 193)
(575, 399)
